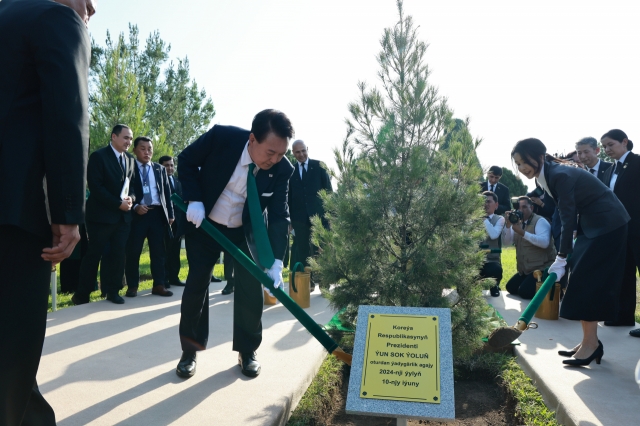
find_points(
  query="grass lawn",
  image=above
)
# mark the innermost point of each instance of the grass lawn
(64, 300)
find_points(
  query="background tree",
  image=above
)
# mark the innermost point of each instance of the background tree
(405, 220)
(514, 183)
(172, 110)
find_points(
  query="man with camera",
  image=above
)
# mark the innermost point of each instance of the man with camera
(493, 224)
(531, 235)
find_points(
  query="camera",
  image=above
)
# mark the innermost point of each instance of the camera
(536, 192)
(515, 215)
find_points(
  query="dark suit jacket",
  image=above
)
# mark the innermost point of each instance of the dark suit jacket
(578, 192)
(504, 198)
(105, 179)
(217, 153)
(604, 166)
(304, 201)
(44, 120)
(626, 190)
(180, 224)
(162, 185)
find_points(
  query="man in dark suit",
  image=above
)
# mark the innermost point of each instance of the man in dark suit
(152, 219)
(109, 173)
(214, 171)
(588, 150)
(173, 241)
(44, 131)
(308, 179)
(502, 191)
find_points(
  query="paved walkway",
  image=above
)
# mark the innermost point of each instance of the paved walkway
(106, 364)
(604, 394)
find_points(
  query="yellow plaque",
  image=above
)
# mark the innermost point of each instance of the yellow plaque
(401, 358)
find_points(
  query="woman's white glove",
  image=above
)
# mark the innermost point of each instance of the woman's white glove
(558, 267)
(275, 273)
(195, 212)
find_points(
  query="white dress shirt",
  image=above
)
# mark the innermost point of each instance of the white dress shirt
(543, 182)
(228, 209)
(494, 231)
(155, 197)
(494, 187)
(305, 165)
(614, 177)
(595, 169)
(118, 154)
(541, 238)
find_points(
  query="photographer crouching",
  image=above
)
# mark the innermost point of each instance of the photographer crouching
(494, 225)
(531, 235)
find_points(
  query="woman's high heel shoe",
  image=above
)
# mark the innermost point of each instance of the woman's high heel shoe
(572, 353)
(597, 355)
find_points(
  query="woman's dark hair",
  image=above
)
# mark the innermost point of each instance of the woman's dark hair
(531, 150)
(618, 135)
(271, 120)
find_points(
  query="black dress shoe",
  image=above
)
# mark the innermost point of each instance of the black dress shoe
(131, 292)
(567, 353)
(228, 289)
(187, 364)
(77, 300)
(159, 290)
(495, 291)
(178, 283)
(115, 298)
(215, 280)
(619, 323)
(635, 333)
(247, 361)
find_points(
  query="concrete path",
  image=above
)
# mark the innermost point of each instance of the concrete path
(107, 364)
(604, 394)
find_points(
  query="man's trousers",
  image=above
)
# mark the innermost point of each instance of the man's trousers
(202, 253)
(24, 295)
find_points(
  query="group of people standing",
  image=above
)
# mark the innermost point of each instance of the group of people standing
(594, 247)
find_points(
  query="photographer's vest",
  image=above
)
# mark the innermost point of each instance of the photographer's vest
(530, 257)
(493, 244)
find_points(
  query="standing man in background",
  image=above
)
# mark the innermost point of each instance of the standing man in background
(173, 241)
(588, 150)
(44, 139)
(308, 179)
(152, 219)
(109, 172)
(502, 191)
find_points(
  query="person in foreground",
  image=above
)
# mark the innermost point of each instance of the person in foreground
(623, 180)
(597, 259)
(44, 139)
(220, 173)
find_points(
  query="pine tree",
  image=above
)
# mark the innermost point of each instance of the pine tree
(405, 220)
(172, 110)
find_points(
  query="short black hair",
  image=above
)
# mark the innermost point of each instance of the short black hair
(491, 194)
(271, 120)
(525, 198)
(618, 135)
(164, 158)
(496, 170)
(118, 128)
(139, 139)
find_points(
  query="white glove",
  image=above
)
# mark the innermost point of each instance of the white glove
(195, 212)
(275, 273)
(558, 267)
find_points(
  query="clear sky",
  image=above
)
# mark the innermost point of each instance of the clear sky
(555, 70)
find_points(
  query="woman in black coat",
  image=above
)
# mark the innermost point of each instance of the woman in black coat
(597, 259)
(623, 179)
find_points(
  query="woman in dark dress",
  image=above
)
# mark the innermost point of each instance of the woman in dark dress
(597, 259)
(623, 179)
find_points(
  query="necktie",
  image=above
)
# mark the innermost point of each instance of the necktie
(173, 188)
(122, 163)
(493, 187)
(263, 246)
(593, 171)
(145, 182)
(304, 171)
(618, 168)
